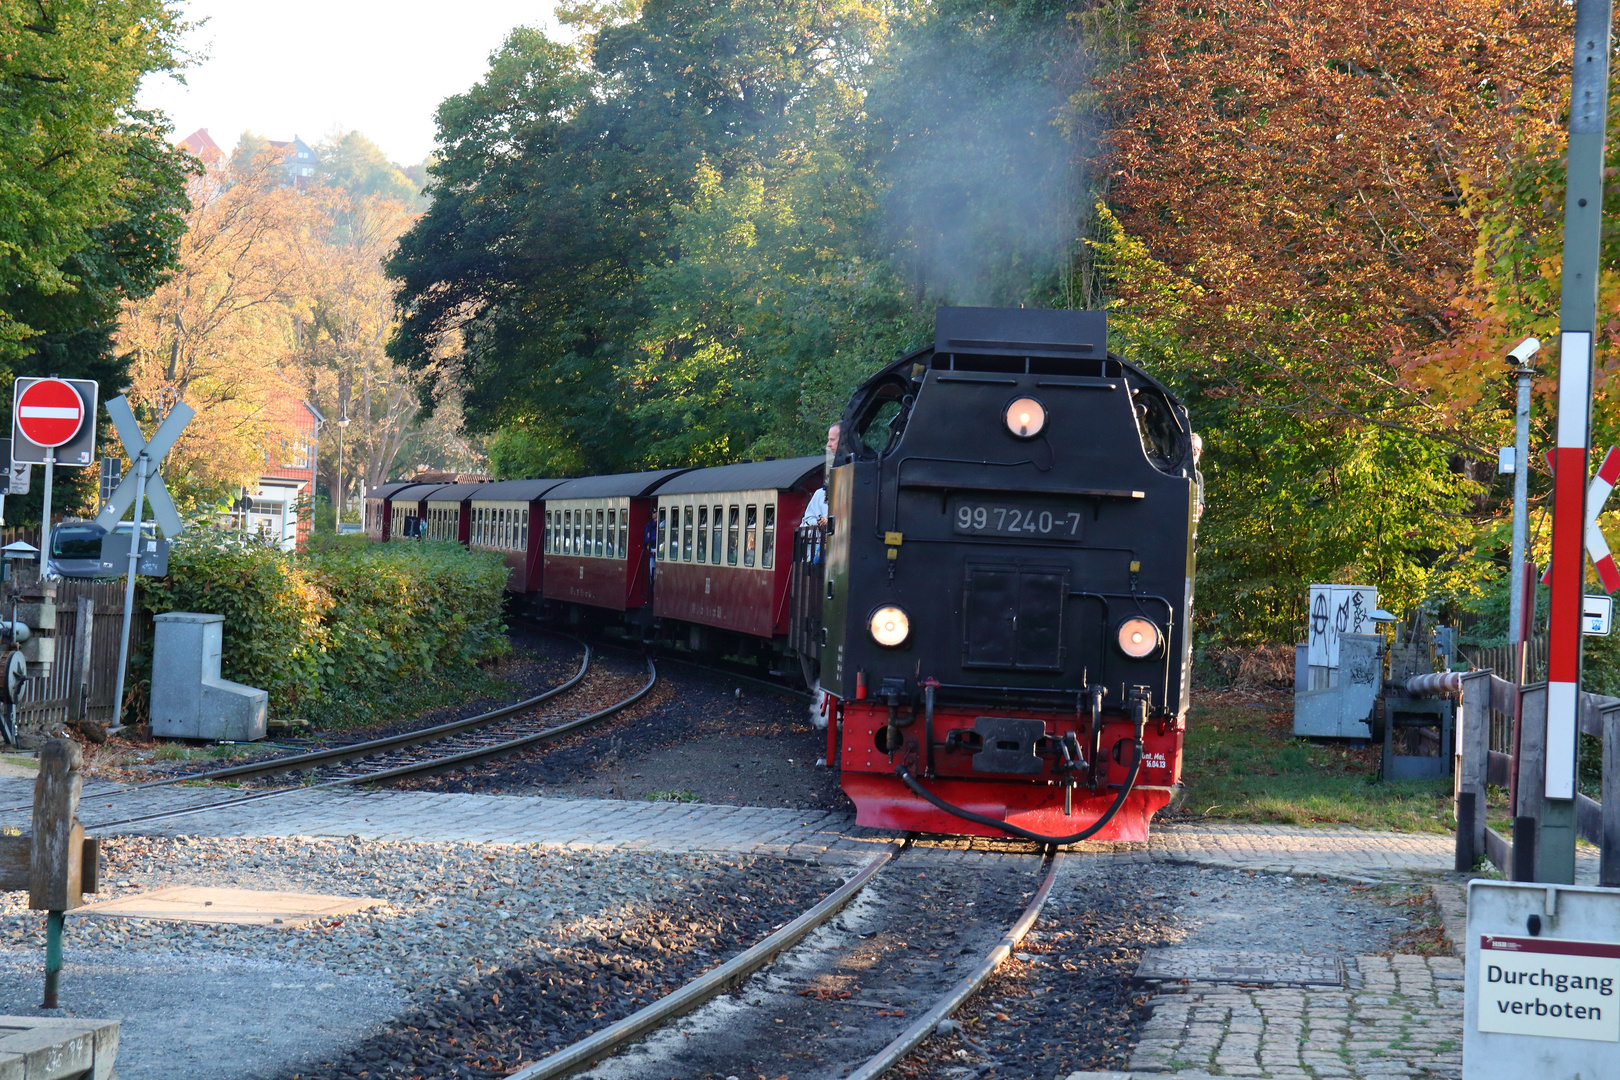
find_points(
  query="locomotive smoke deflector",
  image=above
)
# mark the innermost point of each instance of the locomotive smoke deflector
(1021, 332)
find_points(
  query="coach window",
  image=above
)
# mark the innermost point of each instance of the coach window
(663, 533)
(624, 531)
(703, 534)
(689, 523)
(749, 534)
(731, 538)
(523, 533)
(612, 528)
(767, 543)
(601, 521)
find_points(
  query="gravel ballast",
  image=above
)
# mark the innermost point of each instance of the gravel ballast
(489, 954)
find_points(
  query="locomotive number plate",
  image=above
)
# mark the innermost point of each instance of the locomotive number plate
(1016, 520)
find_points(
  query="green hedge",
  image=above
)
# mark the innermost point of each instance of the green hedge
(341, 621)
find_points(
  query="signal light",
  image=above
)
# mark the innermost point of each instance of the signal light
(1138, 638)
(1026, 417)
(890, 626)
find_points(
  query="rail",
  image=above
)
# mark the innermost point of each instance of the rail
(422, 767)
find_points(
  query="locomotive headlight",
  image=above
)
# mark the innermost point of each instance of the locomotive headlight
(1137, 638)
(890, 626)
(1026, 417)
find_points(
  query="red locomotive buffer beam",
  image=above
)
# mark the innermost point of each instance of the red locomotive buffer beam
(1040, 801)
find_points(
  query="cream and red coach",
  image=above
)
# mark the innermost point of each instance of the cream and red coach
(597, 547)
(379, 508)
(725, 542)
(507, 517)
(444, 512)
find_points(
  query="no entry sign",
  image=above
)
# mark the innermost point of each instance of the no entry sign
(54, 419)
(50, 412)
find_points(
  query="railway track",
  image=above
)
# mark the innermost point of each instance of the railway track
(423, 752)
(823, 956)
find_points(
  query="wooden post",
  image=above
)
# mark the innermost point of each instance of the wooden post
(1474, 755)
(79, 692)
(56, 856)
(1609, 864)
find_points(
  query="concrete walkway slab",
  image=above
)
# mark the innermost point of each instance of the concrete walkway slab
(244, 907)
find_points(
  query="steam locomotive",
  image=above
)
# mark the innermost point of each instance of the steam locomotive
(996, 605)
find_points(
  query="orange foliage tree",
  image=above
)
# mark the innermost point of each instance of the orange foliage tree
(1300, 191)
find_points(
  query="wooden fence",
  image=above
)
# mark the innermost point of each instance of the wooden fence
(86, 664)
(1484, 696)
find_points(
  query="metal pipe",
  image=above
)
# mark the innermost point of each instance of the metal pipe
(1435, 684)
(53, 958)
(141, 465)
(1521, 477)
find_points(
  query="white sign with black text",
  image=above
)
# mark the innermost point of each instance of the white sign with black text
(1597, 615)
(1542, 992)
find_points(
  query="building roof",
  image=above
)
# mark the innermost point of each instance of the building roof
(203, 147)
(749, 476)
(515, 490)
(455, 492)
(617, 485)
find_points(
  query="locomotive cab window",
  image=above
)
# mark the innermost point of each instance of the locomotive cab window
(879, 417)
(1164, 438)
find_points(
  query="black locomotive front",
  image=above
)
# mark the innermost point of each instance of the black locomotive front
(1009, 568)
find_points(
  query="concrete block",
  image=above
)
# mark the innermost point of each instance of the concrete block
(51, 1053)
(105, 1033)
(189, 699)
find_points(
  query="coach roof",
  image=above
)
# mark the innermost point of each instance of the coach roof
(388, 491)
(514, 490)
(748, 476)
(455, 492)
(617, 485)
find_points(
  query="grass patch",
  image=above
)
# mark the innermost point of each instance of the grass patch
(19, 759)
(408, 698)
(181, 752)
(1242, 763)
(672, 796)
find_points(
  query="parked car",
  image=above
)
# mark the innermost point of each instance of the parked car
(76, 549)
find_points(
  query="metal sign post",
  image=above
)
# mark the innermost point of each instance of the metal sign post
(48, 424)
(1583, 229)
(141, 485)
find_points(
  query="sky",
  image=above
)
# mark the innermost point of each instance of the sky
(309, 67)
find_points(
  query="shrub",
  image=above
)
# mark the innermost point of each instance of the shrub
(341, 621)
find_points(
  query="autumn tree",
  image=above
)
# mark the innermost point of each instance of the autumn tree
(218, 334)
(1297, 192)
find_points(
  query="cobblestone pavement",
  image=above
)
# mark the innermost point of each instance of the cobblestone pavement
(605, 824)
(1398, 1017)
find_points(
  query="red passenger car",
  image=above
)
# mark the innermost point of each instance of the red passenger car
(725, 544)
(504, 517)
(596, 547)
(380, 517)
(446, 514)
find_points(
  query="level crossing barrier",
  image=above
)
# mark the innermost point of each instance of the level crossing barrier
(1485, 699)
